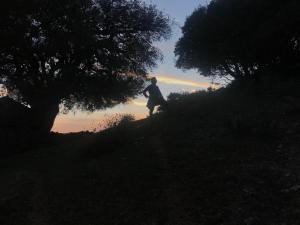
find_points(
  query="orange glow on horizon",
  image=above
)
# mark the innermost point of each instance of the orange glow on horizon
(70, 123)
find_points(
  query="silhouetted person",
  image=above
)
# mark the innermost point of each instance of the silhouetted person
(154, 96)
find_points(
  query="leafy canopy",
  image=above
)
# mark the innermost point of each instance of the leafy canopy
(241, 38)
(90, 54)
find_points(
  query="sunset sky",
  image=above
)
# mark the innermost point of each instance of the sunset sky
(170, 79)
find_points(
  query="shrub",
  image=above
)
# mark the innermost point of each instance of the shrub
(117, 120)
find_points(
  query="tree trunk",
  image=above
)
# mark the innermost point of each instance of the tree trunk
(43, 116)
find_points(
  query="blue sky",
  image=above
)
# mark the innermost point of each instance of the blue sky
(170, 79)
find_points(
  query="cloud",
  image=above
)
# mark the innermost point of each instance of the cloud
(3, 91)
(139, 103)
(172, 80)
(166, 47)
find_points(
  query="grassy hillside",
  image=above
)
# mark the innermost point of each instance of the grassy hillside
(228, 157)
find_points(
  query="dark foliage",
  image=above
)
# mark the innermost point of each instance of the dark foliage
(82, 53)
(244, 39)
(16, 129)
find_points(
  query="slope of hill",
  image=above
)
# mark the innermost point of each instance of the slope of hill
(228, 157)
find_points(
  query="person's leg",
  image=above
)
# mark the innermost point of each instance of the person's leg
(164, 105)
(150, 106)
(151, 109)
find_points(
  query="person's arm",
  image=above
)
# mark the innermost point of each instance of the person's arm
(145, 93)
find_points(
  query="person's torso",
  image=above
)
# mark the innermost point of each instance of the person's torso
(154, 91)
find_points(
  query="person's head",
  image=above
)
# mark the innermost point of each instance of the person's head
(153, 80)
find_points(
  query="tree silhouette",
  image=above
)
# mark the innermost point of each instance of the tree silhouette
(242, 38)
(88, 54)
